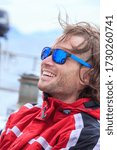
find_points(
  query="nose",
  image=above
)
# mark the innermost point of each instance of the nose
(48, 61)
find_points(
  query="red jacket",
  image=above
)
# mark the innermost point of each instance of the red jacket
(53, 126)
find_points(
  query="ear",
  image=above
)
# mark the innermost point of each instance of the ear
(84, 76)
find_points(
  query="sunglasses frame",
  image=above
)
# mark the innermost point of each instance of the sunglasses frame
(75, 58)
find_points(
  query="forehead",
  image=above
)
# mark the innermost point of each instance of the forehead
(69, 42)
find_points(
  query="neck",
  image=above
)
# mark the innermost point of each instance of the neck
(65, 98)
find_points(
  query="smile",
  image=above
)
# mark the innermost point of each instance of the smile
(48, 73)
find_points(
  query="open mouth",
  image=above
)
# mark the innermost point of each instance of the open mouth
(48, 74)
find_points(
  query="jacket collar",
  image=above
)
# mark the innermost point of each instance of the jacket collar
(85, 105)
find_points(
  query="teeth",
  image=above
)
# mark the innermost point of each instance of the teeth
(46, 73)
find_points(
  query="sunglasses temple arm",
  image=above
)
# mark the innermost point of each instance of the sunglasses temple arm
(80, 61)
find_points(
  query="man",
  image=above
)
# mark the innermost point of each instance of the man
(69, 116)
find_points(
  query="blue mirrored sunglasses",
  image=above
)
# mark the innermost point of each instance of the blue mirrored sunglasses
(60, 56)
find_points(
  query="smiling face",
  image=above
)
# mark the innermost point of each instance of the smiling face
(61, 81)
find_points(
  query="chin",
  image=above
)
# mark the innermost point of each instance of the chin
(42, 87)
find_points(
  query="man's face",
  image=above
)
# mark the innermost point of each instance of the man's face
(61, 80)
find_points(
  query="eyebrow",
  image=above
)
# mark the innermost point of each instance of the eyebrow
(65, 49)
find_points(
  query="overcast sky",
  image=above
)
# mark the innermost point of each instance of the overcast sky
(35, 15)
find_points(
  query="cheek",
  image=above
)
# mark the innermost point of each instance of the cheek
(74, 78)
(69, 75)
(70, 78)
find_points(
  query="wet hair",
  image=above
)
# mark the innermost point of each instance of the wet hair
(91, 47)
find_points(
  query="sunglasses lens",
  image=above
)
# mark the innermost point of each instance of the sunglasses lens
(59, 56)
(45, 53)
